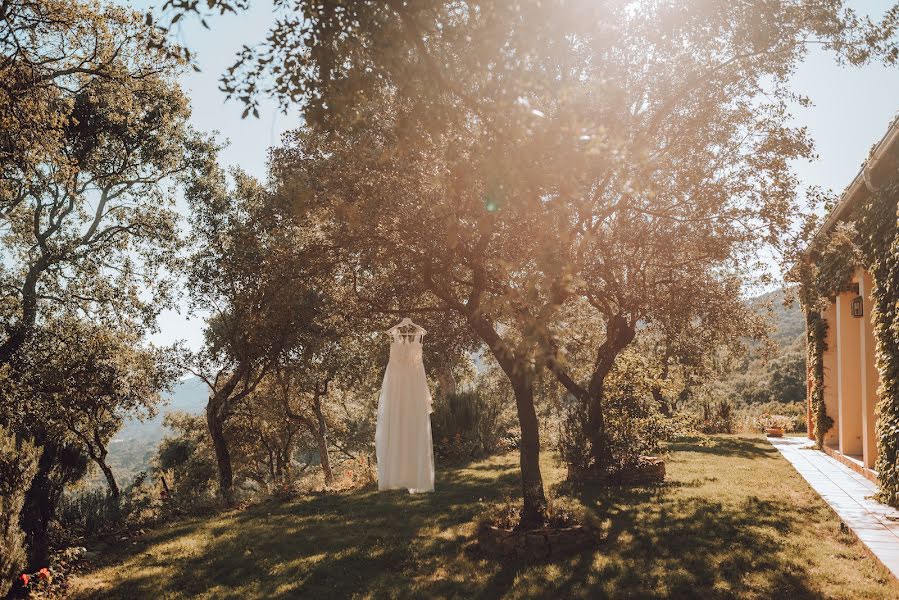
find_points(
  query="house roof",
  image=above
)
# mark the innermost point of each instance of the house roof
(884, 155)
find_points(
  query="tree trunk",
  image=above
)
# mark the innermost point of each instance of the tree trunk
(446, 381)
(216, 425)
(518, 371)
(322, 438)
(39, 509)
(36, 515)
(98, 454)
(664, 406)
(661, 401)
(533, 513)
(24, 329)
(596, 428)
(286, 470)
(110, 478)
(619, 334)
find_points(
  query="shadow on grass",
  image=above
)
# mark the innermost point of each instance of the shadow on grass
(666, 541)
(668, 547)
(738, 447)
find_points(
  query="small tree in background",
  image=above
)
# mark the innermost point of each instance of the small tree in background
(94, 129)
(18, 464)
(185, 461)
(257, 314)
(96, 378)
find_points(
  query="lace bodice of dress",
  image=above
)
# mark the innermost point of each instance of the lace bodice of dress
(405, 349)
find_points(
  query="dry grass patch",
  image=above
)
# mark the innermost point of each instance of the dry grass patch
(734, 520)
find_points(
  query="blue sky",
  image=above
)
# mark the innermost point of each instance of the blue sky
(852, 109)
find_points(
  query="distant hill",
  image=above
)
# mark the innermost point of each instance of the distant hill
(789, 324)
(131, 450)
(781, 378)
(189, 396)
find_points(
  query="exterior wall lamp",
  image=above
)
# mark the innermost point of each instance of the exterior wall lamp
(857, 307)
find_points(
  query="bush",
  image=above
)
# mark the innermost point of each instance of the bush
(17, 468)
(790, 415)
(187, 462)
(90, 513)
(574, 443)
(635, 428)
(685, 423)
(717, 418)
(468, 425)
(776, 422)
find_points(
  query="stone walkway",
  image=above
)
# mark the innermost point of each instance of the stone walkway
(849, 495)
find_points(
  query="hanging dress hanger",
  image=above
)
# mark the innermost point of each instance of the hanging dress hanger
(416, 334)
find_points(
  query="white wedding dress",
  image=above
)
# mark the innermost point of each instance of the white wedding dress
(403, 436)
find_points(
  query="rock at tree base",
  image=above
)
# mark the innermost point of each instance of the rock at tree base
(650, 469)
(535, 544)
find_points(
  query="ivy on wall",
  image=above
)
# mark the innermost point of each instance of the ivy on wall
(816, 344)
(826, 271)
(870, 239)
(878, 241)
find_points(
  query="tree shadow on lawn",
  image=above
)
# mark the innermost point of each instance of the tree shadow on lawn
(728, 446)
(334, 545)
(666, 541)
(656, 545)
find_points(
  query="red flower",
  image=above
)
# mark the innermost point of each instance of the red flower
(24, 578)
(44, 573)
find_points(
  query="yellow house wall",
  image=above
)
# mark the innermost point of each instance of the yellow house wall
(829, 359)
(870, 377)
(849, 376)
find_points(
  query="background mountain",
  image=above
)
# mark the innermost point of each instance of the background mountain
(131, 450)
(773, 386)
(789, 324)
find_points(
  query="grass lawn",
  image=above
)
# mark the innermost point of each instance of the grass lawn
(734, 520)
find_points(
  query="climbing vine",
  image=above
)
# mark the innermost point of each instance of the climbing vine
(879, 243)
(816, 334)
(824, 272)
(868, 238)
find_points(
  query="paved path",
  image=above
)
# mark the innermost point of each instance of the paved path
(849, 495)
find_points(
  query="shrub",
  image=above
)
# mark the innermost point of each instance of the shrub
(776, 421)
(90, 513)
(142, 499)
(635, 428)
(634, 425)
(717, 417)
(18, 464)
(468, 425)
(186, 460)
(685, 423)
(574, 443)
(791, 416)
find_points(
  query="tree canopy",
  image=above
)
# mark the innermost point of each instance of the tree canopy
(94, 134)
(522, 163)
